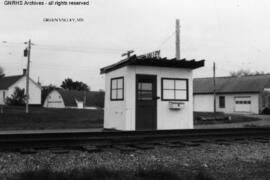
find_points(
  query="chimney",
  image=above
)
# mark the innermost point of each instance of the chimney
(24, 71)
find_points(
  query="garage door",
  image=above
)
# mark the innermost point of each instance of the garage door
(242, 104)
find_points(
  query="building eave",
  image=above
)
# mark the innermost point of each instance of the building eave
(239, 92)
(156, 62)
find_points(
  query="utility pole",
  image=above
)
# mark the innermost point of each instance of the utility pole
(27, 77)
(128, 53)
(177, 40)
(214, 87)
(84, 98)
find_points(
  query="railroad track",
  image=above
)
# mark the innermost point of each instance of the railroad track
(129, 140)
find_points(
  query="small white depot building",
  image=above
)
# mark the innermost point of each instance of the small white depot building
(149, 94)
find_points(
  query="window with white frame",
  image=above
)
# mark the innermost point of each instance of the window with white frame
(174, 89)
(117, 89)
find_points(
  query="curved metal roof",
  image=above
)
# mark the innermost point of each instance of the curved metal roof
(70, 97)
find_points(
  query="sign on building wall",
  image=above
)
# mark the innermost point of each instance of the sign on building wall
(154, 54)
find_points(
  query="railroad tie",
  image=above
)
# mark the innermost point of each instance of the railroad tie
(59, 151)
(262, 141)
(200, 141)
(28, 151)
(187, 143)
(171, 145)
(91, 149)
(124, 148)
(142, 146)
(243, 142)
(221, 142)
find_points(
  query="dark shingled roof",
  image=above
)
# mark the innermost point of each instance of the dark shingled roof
(6, 82)
(70, 97)
(159, 62)
(230, 85)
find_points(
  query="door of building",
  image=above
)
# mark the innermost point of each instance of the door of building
(146, 102)
(242, 104)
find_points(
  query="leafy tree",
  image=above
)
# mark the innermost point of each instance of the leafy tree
(17, 98)
(74, 85)
(45, 91)
(245, 72)
(100, 99)
(1, 72)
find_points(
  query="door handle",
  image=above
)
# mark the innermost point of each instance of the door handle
(157, 97)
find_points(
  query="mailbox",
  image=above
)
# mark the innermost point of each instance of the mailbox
(176, 105)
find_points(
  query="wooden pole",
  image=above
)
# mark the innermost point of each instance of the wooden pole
(214, 85)
(27, 77)
(177, 40)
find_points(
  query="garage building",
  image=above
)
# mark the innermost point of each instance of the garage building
(247, 94)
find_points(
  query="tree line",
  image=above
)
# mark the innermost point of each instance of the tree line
(246, 72)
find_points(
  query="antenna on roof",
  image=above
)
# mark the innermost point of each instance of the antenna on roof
(128, 53)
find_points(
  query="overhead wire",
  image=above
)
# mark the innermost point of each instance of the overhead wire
(80, 49)
(67, 48)
(166, 40)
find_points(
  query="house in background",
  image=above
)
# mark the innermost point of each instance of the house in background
(149, 93)
(247, 94)
(60, 98)
(8, 84)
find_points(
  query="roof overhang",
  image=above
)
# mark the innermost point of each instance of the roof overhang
(156, 62)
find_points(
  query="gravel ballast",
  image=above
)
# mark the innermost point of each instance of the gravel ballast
(235, 161)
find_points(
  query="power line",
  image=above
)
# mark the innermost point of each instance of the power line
(78, 47)
(5, 42)
(166, 40)
(78, 50)
(67, 48)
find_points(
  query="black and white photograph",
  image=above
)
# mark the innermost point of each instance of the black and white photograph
(134, 90)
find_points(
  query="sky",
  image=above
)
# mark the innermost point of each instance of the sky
(232, 33)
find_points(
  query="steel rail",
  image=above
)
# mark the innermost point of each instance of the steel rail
(58, 139)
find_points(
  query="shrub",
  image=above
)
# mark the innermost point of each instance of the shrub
(17, 98)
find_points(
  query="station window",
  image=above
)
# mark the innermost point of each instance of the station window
(221, 101)
(117, 89)
(173, 89)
